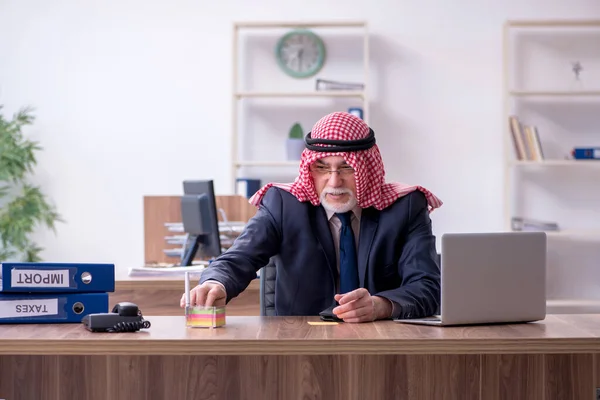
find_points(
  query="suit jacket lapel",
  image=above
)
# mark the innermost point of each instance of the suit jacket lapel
(369, 221)
(323, 234)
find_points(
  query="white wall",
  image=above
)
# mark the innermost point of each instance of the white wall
(132, 97)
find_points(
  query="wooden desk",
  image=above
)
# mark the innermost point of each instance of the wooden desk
(161, 295)
(286, 358)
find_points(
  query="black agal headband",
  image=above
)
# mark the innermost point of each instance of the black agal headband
(334, 145)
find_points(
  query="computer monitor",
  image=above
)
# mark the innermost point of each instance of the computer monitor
(200, 221)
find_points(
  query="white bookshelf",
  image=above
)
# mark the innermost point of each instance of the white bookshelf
(553, 90)
(542, 90)
(290, 90)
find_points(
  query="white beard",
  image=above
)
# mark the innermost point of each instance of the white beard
(338, 208)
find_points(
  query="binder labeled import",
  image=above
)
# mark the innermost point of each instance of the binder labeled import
(56, 277)
(22, 308)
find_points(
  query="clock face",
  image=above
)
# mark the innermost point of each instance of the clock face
(300, 53)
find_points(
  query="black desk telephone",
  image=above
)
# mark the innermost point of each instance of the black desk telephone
(125, 317)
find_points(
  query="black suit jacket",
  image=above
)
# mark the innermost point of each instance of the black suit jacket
(397, 257)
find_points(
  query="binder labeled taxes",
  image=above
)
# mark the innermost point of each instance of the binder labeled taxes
(23, 308)
(56, 277)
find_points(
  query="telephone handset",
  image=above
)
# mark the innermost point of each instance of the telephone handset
(125, 317)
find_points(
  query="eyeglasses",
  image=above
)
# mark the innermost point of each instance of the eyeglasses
(325, 171)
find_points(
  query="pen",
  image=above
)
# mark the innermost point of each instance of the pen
(187, 289)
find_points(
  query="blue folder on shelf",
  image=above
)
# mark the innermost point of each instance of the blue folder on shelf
(23, 308)
(56, 277)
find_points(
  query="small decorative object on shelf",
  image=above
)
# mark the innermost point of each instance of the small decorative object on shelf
(356, 111)
(576, 67)
(295, 142)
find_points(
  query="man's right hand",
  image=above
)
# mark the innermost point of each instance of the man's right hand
(207, 294)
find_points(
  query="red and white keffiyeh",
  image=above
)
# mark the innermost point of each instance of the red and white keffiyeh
(371, 188)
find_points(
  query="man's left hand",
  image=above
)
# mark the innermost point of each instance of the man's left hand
(359, 306)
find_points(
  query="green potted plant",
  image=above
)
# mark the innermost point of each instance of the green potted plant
(23, 206)
(295, 142)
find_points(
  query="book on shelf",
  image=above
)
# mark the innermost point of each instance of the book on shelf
(528, 146)
(586, 153)
(526, 140)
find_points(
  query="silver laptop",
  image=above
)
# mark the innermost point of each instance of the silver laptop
(491, 278)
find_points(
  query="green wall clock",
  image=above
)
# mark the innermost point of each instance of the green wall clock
(300, 53)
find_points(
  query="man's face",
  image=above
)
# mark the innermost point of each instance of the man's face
(335, 183)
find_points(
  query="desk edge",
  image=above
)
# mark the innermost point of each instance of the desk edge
(297, 347)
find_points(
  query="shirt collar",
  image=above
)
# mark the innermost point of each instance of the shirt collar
(356, 211)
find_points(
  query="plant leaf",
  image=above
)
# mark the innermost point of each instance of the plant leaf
(24, 207)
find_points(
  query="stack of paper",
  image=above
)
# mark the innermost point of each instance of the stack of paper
(166, 271)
